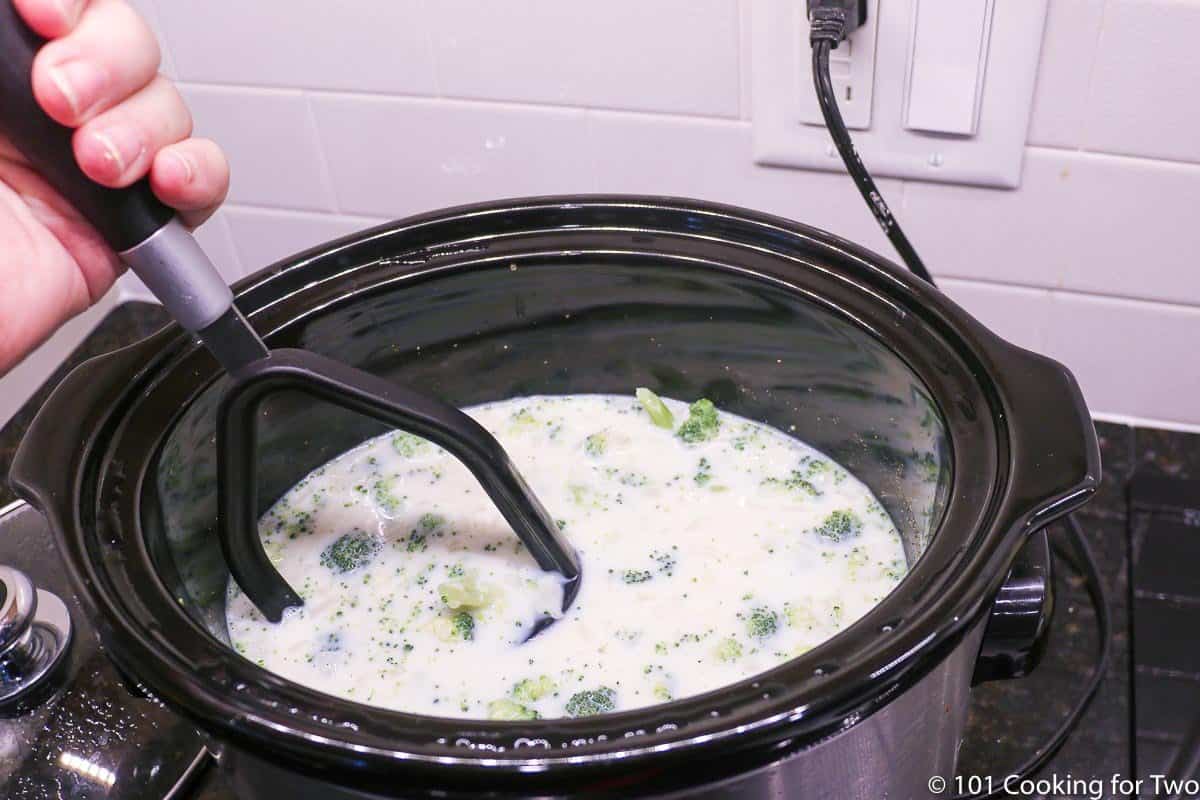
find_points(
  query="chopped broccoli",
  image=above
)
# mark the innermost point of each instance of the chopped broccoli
(728, 649)
(702, 423)
(794, 482)
(661, 692)
(533, 689)
(459, 625)
(660, 415)
(840, 525)
(430, 521)
(385, 498)
(895, 569)
(592, 701)
(703, 472)
(799, 616)
(506, 709)
(464, 592)
(762, 622)
(596, 444)
(407, 444)
(464, 625)
(636, 575)
(350, 551)
(523, 420)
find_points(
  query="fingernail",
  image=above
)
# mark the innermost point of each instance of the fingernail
(110, 152)
(80, 83)
(179, 167)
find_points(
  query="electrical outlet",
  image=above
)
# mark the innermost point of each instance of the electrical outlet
(939, 90)
(851, 69)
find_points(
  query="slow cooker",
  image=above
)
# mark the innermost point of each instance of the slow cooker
(972, 445)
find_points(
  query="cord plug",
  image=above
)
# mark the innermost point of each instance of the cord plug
(832, 20)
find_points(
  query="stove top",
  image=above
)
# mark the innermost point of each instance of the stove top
(95, 735)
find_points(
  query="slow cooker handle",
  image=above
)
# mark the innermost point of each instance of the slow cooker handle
(64, 430)
(1019, 624)
(147, 234)
(1054, 454)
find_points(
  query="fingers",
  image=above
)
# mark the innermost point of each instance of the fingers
(117, 148)
(50, 18)
(108, 55)
(191, 176)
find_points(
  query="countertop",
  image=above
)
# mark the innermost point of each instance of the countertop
(1008, 720)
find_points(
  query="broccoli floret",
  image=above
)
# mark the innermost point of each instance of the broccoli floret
(459, 625)
(703, 472)
(408, 445)
(350, 551)
(464, 625)
(596, 444)
(592, 701)
(506, 709)
(636, 575)
(531, 690)
(702, 423)
(841, 525)
(762, 622)
(729, 649)
(661, 692)
(660, 415)
(429, 521)
(464, 592)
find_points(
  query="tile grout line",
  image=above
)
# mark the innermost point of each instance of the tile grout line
(326, 172)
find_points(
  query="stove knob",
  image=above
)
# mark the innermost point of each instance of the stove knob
(35, 630)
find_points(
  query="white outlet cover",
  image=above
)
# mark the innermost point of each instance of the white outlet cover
(992, 156)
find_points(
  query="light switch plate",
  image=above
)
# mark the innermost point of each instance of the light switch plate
(992, 156)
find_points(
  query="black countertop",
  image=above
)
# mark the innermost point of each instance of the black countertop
(1008, 720)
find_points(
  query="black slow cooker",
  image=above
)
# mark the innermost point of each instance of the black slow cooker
(972, 445)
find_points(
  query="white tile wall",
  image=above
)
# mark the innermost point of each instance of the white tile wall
(1065, 74)
(1130, 357)
(676, 56)
(1143, 97)
(711, 160)
(262, 236)
(270, 138)
(398, 156)
(1082, 221)
(339, 115)
(363, 45)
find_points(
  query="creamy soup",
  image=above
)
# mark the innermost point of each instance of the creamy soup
(713, 548)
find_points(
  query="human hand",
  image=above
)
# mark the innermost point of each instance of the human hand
(98, 74)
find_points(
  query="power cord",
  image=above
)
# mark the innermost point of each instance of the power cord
(829, 28)
(830, 22)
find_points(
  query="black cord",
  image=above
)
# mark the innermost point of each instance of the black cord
(862, 178)
(829, 28)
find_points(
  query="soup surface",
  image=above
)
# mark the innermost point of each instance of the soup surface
(713, 548)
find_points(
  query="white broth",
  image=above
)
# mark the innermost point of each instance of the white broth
(713, 549)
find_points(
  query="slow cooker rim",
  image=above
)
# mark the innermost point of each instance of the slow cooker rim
(249, 286)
